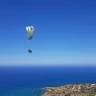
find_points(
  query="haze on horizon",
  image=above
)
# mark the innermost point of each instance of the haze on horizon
(65, 32)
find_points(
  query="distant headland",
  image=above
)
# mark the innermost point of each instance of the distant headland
(71, 90)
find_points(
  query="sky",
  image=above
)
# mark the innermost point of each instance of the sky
(65, 32)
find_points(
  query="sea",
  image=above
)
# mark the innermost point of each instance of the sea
(29, 80)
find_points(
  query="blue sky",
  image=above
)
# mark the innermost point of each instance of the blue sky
(65, 32)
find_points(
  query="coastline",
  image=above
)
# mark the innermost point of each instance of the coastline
(71, 90)
(46, 91)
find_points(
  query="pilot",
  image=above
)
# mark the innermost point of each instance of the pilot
(29, 51)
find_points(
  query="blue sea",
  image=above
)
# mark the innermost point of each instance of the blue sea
(27, 81)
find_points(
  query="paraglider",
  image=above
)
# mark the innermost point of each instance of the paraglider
(29, 50)
(30, 33)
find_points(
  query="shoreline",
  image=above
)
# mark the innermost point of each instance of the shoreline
(71, 90)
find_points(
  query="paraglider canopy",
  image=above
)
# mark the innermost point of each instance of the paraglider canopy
(30, 32)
